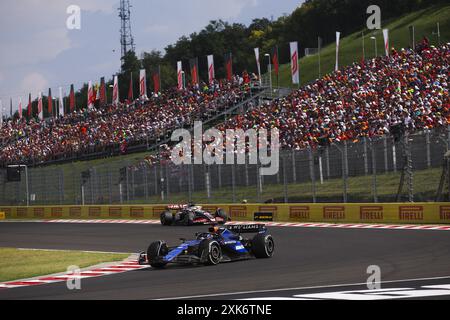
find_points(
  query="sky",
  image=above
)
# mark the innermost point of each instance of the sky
(39, 52)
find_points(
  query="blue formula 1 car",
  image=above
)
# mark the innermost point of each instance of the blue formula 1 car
(218, 245)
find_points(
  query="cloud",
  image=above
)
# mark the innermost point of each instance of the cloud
(34, 82)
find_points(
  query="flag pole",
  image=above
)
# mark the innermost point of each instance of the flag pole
(319, 48)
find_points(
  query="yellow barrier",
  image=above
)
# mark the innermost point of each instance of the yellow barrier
(407, 213)
(2, 216)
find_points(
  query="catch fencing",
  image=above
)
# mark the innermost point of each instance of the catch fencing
(383, 169)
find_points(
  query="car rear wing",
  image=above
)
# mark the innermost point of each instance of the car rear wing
(246, 228)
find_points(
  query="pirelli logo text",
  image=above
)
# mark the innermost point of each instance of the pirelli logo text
(75, 212)
(445, 213)
(157, 212)
(334, 213)
(115, 212)
(408, 213)
(299, 213)
(371, 213)
(137, 212)
(22, 212)
(38, 212)
(238, 212)
(57, 212)
(95, 212)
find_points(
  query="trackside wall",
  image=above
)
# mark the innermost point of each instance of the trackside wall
(403, 213)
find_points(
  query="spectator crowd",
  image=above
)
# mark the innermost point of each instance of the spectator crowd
(410, 87)
(96, 130)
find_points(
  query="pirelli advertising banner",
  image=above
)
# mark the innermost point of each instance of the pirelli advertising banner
(402, 213)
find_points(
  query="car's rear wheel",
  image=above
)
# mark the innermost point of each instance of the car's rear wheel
(166, 218)
(210, 252)
(221, 214)
(155, 254)
(263, 246)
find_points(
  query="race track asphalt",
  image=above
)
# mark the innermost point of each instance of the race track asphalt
(303, 258)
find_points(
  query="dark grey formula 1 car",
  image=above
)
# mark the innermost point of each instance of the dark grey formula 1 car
(189, 215)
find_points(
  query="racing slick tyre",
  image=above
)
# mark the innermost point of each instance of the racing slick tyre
(263, 246)
(221, 214)
(155, 253)
(210, 252)
(166, 218)
(190, 218)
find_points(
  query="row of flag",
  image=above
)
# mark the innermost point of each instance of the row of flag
(98, 92)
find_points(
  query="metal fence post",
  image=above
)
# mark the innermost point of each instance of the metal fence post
(167, 181)
(233, 182)
(345, 172)
(428, 146)
(327, 155)
(285, 183)
(189, 182)
(409, 169)
(366, 162)
(128, 184)
(294, 167)
(110, 188)
(374, 173)
(312, 174)
(258, 183)
(394, 156)
(386, 165)
(207, 182)
(61, 186)
(145, 172)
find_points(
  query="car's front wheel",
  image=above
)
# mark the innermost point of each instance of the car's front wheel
(166, 218)
(210, 252)
(155, 254)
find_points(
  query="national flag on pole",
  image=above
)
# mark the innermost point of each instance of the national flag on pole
(211, 71)
(229, 66)
(193, 63)
(72, 99)
(102, 91)
(40, 107)
(30, 107)
(258, 64)
(275, 60)
(91, 96)
(143, 84)
(20, 108)
(61, 102)
(50, 103)
(115, 98)
(338, 40)
(156, 76)
(386, 41)
(180, 75)
(294, 63)
(131, 89)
